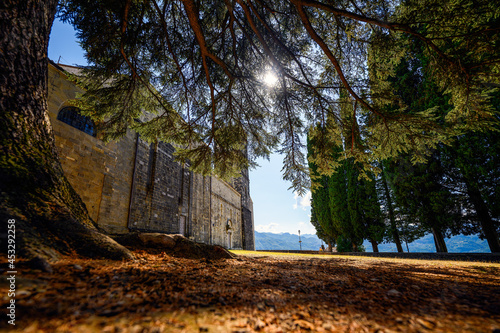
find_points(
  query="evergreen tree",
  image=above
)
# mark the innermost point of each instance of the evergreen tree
(345, 244)
(393, 233)
(321, 216)
(465, 162)
(374, 227)
(418, 188)
(320, 232)
(419, 191)
(349, 227)
(347, 198)
(345, 206)
(320, 207)
(472, 169)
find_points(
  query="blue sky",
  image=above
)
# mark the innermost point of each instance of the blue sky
(276, 209)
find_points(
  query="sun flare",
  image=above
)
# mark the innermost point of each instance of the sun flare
(270, 79)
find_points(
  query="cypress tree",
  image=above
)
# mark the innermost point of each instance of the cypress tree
(374, 226)
(320, 232)
(321, 217)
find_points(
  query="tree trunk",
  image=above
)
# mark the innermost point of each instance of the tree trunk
(439, 240)
(50, 218)
(394, 229)
(483, 215)
(374, 245)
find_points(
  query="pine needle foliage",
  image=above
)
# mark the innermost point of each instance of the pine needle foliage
(345, 204)
(204, 62)
(322, 218)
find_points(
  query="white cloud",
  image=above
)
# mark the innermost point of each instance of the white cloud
(271, 227)
(302, 202)
(307, 228)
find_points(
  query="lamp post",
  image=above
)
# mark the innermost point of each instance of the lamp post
(300, 242)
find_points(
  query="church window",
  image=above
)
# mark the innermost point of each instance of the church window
(71, 116)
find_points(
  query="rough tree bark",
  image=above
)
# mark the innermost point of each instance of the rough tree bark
(50, 218)
(468, 168)
(439, 240)
(394, 229)
(483, 215)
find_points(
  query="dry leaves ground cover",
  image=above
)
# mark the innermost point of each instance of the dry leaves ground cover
(263, 293)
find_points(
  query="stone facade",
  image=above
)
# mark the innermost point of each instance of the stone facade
(133, 185)
(242, 185)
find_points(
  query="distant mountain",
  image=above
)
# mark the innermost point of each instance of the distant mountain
(456, 244)
(286, 241)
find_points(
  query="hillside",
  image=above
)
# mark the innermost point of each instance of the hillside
(286, 241)
(455, 244)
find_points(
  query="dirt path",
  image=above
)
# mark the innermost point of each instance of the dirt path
(265, 293)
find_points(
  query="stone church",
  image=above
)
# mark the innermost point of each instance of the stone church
(131, 185)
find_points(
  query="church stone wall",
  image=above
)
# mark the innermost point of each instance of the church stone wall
(159, 190)
(96, 171)
(242, 185)
(226, 215)
(200, 209)
(135, 185)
